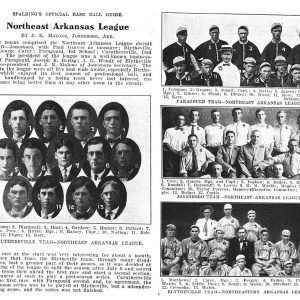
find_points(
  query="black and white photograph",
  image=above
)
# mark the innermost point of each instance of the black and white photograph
(230, 50)
(230, 239)
(230, 142)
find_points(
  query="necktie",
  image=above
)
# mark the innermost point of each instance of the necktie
(291, 166)
(112, 141)
(95, 177)
(193, 129)
(65, 177)
(194, 161)
(108, 215)
(205, 227)
(229, 154)
(82, 216)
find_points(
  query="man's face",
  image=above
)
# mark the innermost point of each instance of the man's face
(170, 232)
(241, 263)
(180, 67)
(278, 170)
(296, 75)
(48, 199)
(194, 116)
(237, 115)
(110, 196)
(7, 161)
(194, 233)
(18, 122)
(193, 142)
(226, 56)
(33, 160)
(207, 69)
(124, 157)
(264, 236)
(82, 198)
(249, 68)
(180, 121)
(80, 121)
(182, 38)
(265, 72)
(217, 170)
(241, 234)
(281, 67)
(276, 33)
(219, 234)
(113, 123)
(213, 262)
(207, 213)
(64, 156)
(261, 116)
(227, 211)
(281, 118)
(214, 35)
(96, 157)
(18, 197)
(50, 122)
(293, 146)
(255, 137)
(285, 238)
(215, 116)
(243, 34)
(288, 269)
(230, 138)
(251, 217)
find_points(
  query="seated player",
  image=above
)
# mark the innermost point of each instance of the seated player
(196, 159)
(294, 80)
(214, 268)
(247, 75)
(281, 74)
(240, 267)
(265, 79)
(181, 76)
(208, 77)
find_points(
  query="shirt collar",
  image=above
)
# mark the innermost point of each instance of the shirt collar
(62, 169)
(18, 214)
(49, 216)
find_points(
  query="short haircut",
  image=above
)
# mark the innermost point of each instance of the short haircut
(235, 109)
(50, 105)
(193, 111)
(64, 141)
(258, 111)
(18, 181)
(293, 140)
(217, 163)
(18, 106)
(10, 145)
(281, 112)
(48, 182)
(176, 117)
(243, 27)
(191, 135)
(229, 131)
(34, 143)
(82, 182)
(213, 111)
(81, 105)
(241, 228)
(98, 140)
(112, 106)
(128, 143)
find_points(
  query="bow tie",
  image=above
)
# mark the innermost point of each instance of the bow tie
(113, 141)
(179, 128)
(82, 216)
(18, 140)
(226, 64)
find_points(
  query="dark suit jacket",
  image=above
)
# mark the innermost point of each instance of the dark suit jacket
(247, 250)
(56, 212)
(101, 212)
(72, 175)
(223, 157)
(90, 212)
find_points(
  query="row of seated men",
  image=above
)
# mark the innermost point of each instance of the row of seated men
(215, 63)
(238, 149)
(225, 248)
(65, 157)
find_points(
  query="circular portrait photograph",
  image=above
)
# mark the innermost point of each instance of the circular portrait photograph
(17, 197)
(113, 122)
(32, 163)
(18, 121)
(81, 198)
(9, 159)
(50, 120)
(125, 160)
(82, 121)
(64, 157)
(47, 197)
(113, 197)
(97, 154)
